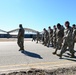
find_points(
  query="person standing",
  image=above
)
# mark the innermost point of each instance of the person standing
(20, 40)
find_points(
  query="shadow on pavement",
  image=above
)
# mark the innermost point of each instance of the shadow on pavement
(68, 58)
(31, 54)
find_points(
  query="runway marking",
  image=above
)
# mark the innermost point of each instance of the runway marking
(37, 64)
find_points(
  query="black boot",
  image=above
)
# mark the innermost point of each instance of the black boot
(60, 55)
(73, 56)
(54, 53)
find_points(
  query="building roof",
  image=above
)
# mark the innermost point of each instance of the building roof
(3, 31)
(26, 29)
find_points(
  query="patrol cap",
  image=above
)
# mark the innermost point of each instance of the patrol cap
(20, 25)
(49, 27)
(44, 29)
(74, 25)
(54, 26)
(67, 22)
(58, 24)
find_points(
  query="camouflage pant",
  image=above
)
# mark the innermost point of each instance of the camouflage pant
(20, 42)
(54, 42)
(37, 39)
(74, 41)
(69, 44)
(59, 43)
(73, 44)
(46, 40)
(50, 40)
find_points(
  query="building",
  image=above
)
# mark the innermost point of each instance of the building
(13, 33)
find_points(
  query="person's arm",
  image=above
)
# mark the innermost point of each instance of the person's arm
(19, 33)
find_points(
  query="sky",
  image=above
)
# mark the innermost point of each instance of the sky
(36, 14)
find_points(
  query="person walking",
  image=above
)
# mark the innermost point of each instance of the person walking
(68, 40)
(59, 37)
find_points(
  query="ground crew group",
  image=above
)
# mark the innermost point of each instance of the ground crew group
(60, 38)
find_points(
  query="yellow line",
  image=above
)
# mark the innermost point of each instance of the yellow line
(36, 64)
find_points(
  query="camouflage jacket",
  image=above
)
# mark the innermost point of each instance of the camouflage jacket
(59, 33)
(68, 33)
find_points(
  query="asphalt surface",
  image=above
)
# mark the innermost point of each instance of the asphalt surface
(35, 55)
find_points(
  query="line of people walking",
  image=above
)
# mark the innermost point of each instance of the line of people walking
(60, 37)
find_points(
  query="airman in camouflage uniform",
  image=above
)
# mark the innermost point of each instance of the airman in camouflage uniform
(46, 37)
(74, 34)
(50, 40)
(20, 41)
(38, 37)
(42, 37)
(68, 40)
(59, 37)
(54, 36)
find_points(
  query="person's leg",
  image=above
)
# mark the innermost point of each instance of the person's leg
(57, 45)
(45, 41)
(71, 49)
(73, 44)
(60, 43)
(37, 40)
(63, 49)
(48, 41)
(19, 43)
(23, 43)
(52, 41)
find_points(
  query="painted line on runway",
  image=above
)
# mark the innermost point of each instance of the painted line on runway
(36, 64)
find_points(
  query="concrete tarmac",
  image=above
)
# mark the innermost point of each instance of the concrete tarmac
(34, 56)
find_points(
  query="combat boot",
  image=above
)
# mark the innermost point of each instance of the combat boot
(54, 53)
(73, 56)
(60, 55)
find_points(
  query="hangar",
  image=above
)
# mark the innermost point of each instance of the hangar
(13, 33)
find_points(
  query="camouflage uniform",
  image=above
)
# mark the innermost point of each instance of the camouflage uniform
(38, 36)
(74, 36)
(59, 39)
(20, 40)
(54, 37)
(46, 37)
(33, 38)
(42, 38)
(67, 42)
(50, 37)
